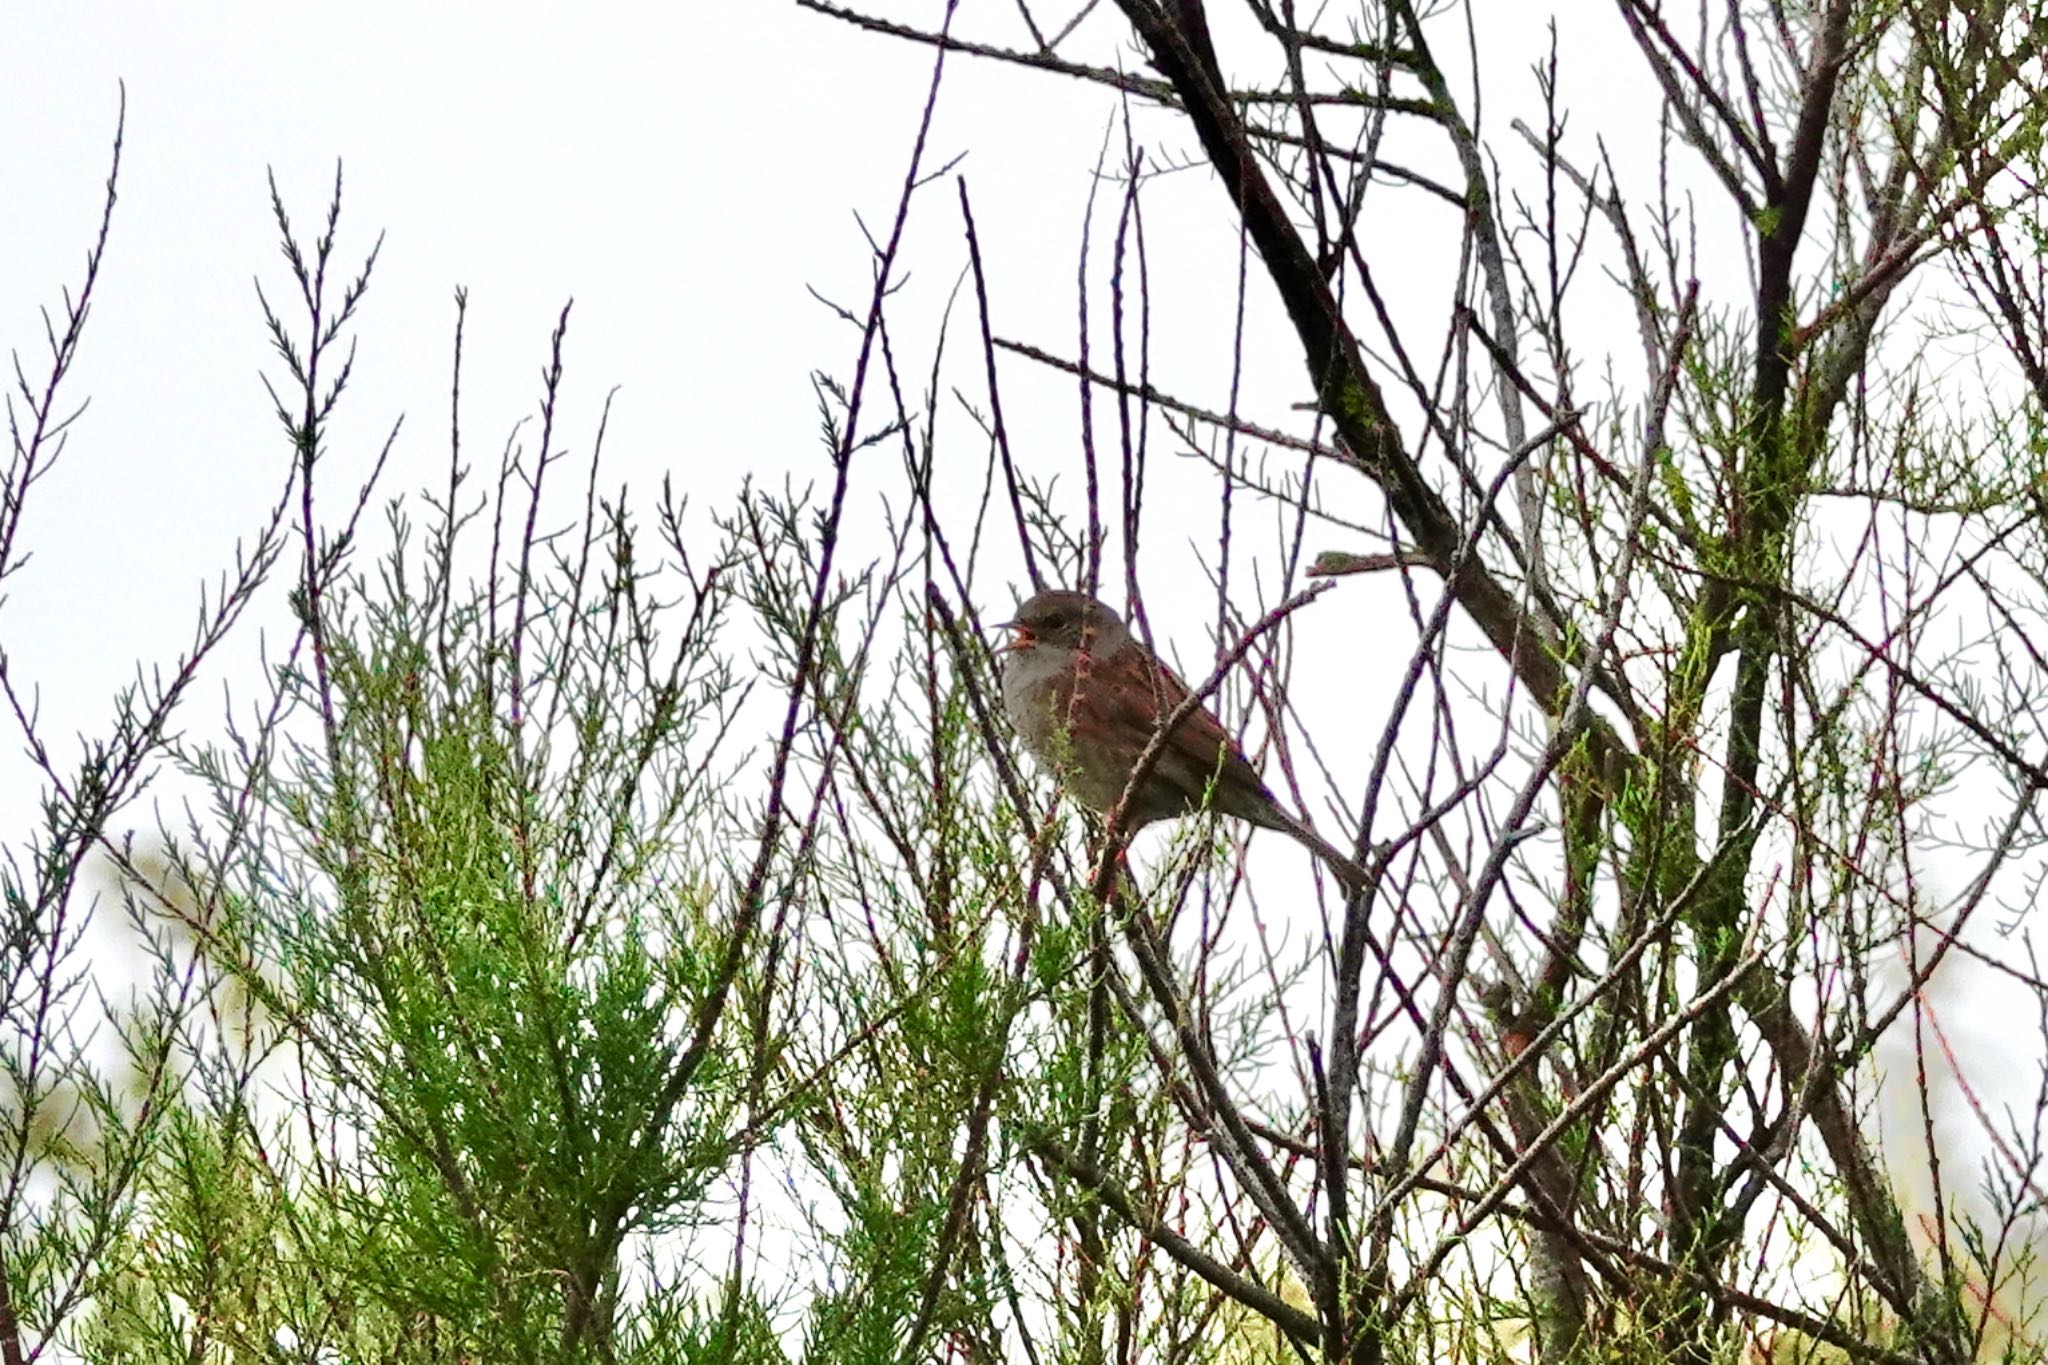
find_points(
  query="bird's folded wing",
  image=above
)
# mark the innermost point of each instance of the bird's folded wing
(1137, 697)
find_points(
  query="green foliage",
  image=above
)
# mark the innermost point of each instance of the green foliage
(480, 949)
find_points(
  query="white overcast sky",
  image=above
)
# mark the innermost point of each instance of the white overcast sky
(683, 171)
(686, 173)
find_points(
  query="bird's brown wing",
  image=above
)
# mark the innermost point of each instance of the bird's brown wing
(1138, 691)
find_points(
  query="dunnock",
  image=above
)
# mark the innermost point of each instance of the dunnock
(1087, 696)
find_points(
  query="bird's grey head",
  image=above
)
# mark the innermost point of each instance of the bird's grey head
(1065, 619)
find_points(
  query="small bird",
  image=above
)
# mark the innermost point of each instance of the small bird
(1087, 696)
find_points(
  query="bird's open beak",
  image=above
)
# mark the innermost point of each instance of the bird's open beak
(1020, 637)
